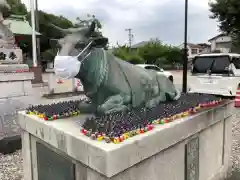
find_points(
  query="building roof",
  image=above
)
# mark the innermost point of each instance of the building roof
(217, 36)
(204, 45)
(140, 44)
(220, 54)
(19, 25)
(191, 45)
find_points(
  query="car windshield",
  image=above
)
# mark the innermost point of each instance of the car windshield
(155, 68)
(215, 64)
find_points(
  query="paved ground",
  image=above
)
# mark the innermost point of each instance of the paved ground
(236, 148)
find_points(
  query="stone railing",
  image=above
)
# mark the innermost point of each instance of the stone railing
(16, 94)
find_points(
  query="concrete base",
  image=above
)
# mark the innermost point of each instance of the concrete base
(16, 94)
(37, 71)
(192, 148)
(13, 68)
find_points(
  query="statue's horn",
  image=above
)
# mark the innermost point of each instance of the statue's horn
(58, 28)
(69, 30)
(91, 29)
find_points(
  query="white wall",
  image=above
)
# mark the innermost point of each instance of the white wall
(213, 44)
(220, 40)
(205, 50)
(223, 39)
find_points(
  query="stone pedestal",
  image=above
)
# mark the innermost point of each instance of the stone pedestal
(68, 86)
(37, 71)
(192, 148)
(15, 94)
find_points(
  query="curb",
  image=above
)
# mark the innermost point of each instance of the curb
(62, 95)
(10, 144)
(43, 84)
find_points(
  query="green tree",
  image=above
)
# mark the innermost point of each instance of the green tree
(49, 54)
(173, 55)
(125, 53)
(17, 7)
(227, 12)
(121, 51)
(152, 51)
(45, 19)
(47, 31)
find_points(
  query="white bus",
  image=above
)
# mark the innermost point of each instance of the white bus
(217, 73)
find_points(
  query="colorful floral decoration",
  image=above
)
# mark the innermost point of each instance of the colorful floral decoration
(92, 127)
(119, 126)
(56, 110)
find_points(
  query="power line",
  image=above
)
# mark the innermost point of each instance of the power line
(37, 29)
(33, 23)
(185, 59)
(130, 36)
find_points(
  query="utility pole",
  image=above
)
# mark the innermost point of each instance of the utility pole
(35, 69)
(130, 36)
(37, 29)
(185, 56)
(34, 49)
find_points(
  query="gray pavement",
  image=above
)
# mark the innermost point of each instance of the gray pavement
(177, 75)
(236, 147)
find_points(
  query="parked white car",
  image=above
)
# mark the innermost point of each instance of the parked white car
(158, 69)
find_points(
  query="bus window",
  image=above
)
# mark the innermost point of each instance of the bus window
(236, 62)
(221, 65)
(216, 64)
(202, 64)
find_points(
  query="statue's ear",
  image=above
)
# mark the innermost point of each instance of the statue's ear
(91, 29)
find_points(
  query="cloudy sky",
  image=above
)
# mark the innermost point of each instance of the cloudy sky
(163, 19)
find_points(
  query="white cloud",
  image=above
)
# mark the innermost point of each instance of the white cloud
(148, 18)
